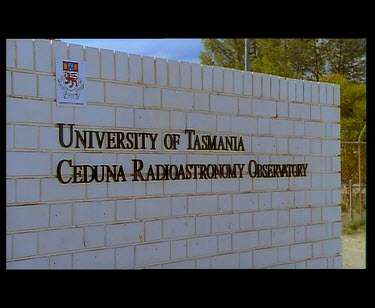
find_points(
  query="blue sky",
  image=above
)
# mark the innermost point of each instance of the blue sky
(174, 49)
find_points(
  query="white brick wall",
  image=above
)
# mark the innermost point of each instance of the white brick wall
(211, 223)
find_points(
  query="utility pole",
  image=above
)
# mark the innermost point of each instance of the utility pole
(247, 55)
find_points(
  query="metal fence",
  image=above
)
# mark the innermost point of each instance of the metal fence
(353, 177)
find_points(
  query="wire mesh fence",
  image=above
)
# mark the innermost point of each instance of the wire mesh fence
(353, 178)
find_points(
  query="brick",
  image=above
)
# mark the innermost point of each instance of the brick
(300, 251)
(316, 215)
(244, 105)
(281, 127)
(265, 219)
(196, 76)
(190, 264)
(201, 101)
(332, 213)
(315, 129)
(173, 73)
(76, 52)
(264, 108)
(299, 146)
(330, 262)
(246, 221)
(97, 259)
(92, 56)
(336, 94)
(94, 236)
(62, 115)
(300, 265)
(282, 236)
(61, 262)
(315, 93)
(178, 249)
(245, 125)
(35, 263)
(10, 191)
(331, 147)
(332, 246)
(224, 203)
(25, 244)
(275, 87)
(245, 240)
(148, 70)
(329, 114)
(218, 79)
(317, 248)
(292, 90)
(315, 113)
(151, 119)
(266, 86)
(182, 187)
(246, 259)
(300, 216)
(263, 144)
(283, 253)
(225, 223)
(179, 206)
(299, 128)
(125, 209)
(93, 212)
(52, 190)
(265, 184)
(27, 217)
(154, 267)
(315, 197)
(204, 263)
(178, 227)
(264, 200)
(125, 233)
(335, 132)
(161, 70)
(47, 87)
(231, 185)
(201, 246)
(43, 53)
(284, 266)
(11, 52)
(60, 214)
(229, 261)
(135, 68)
(95, 91)
(282, 199)
(124, 257)
(238, 82)
(27, 190)
(123, 94)
(331, 180)
(307, 91)
(223, 123)
(265, 257)
(26, 137)
(95, 115)
(337, 262)
(107, 64)
(202, 204)
(283, 88)
(336, 196)
(299, 111)
(121, 66)
(124, 117)
(153, 208)
(201, 121)
(24, 84)
(228, 80)
(264, 126)
(320, 263)
(330, 94)
(257, 84)
(299, 91)
(224, 243)
(60, 240)
(300, 234)
(9, 86)
(316, 146)
(185, 75)
(152, 97)
(316, 180)
(177, 99)
(152, 253)
(264, 238)
(323, 93)
(245, 202)
(207, 76)
(25, 54)
(222, 103)
(202, 225)
(153, 230)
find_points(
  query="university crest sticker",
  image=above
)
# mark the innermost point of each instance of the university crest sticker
(71, 83)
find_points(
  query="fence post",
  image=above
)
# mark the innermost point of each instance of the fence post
(359, 169)
(350, 199)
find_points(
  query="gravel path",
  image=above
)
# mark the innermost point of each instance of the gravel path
(354, 250)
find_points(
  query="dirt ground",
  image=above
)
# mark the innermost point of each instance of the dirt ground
(354, 250)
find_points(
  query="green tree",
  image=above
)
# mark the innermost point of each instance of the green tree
(347, 57)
